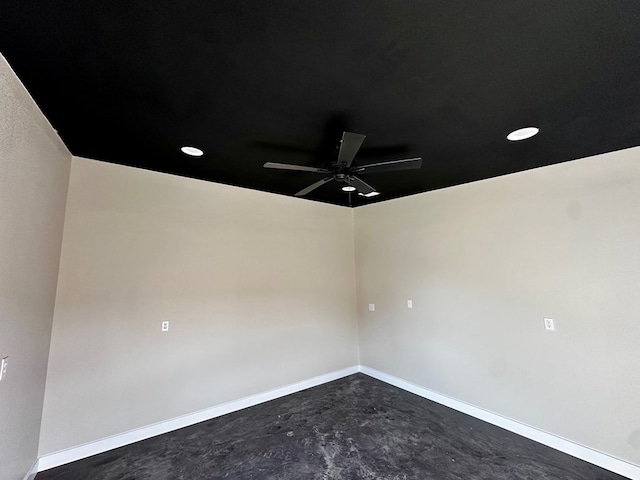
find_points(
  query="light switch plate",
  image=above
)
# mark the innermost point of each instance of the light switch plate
(409, 303)
(372, 307)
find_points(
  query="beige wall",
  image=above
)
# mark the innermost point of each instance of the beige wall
(484, 263)
(259, 290)
(34, 172)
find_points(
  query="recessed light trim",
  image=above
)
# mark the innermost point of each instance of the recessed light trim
(523, 133)
(192, 151)
(348, 188)
(370, 194)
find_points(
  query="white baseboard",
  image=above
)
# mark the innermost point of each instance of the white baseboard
(33, 471)
(93, 448)
(595, 457)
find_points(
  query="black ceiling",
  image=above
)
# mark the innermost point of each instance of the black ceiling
(132, 81)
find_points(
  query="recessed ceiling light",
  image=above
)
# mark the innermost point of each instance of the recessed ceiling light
(348, 188)
(193, 151)
(369, 195)
(522, 133)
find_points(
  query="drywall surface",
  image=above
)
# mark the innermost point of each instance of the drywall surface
(259, 290)
(34, 173)
(484, 263)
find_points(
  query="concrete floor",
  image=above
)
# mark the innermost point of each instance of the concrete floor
(353, 428)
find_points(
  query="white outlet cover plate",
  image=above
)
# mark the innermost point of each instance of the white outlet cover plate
(372, 307)
(548, 324)
(165, 326)
(409, 303)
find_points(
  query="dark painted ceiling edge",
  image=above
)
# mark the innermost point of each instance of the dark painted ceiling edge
(376, 200)
(540, 167)
(146, 169)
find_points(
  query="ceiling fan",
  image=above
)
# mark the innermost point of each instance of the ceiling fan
(344, 168)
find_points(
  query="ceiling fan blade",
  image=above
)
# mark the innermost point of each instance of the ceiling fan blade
(313, 186)
(349, 147)
(297, 168)
(362, 186)
(392, 166)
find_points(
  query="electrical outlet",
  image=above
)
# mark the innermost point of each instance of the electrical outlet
(165, 326)
(372, 307)
(409, 303)
(548, 324)
(3, 367)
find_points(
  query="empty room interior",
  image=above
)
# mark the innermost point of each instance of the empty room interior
(320, 240)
